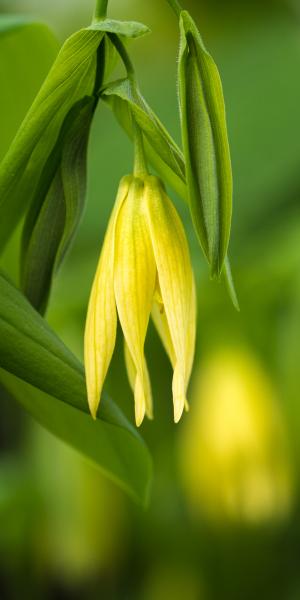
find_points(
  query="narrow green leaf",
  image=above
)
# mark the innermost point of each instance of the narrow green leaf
(129, 29)
(74, 169)
(38, 261)
(57, 207)
(205, 144)
(125, 100)
(71, 78)
(31, 351)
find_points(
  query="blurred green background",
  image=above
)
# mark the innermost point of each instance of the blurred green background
(223, 521)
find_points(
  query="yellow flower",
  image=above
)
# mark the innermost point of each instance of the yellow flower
(144, 268)
(234, 452)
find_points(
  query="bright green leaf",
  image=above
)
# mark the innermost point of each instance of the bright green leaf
(71, 78)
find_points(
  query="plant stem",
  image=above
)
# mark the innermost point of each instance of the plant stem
(140, 164)
(124, 56)
(175, 6)
(100, 9)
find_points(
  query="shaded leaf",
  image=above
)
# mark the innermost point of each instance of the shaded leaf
(31, 351)
(119, 453)
(57, 207)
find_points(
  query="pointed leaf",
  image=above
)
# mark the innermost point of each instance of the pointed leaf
(205, 144)
(57, 207)
(71, 78)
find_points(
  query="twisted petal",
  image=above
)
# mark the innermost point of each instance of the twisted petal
(177, 287)
(101, 322)
(134, 283)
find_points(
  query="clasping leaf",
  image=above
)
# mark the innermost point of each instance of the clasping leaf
(205, 144)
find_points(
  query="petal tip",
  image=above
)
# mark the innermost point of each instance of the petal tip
(179, 404)
(139, 417)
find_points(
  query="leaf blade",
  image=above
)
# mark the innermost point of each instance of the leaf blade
(72, 76)
(121, 456)
(30, 351)
(56, 209)
(205, 143)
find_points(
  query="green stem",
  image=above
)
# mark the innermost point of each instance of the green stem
(140, 163)
(100, 10)
(175, 6)
(124, 56)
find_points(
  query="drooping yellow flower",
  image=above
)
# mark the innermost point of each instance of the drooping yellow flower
(234, 453)
(144, 268)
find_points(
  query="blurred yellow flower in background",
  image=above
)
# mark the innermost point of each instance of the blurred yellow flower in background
(144, 266)
(234, 456)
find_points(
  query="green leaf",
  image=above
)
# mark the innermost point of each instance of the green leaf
(57, 207)
(205, 144)
(130, 29)
(125, 100)
(119, 453)
(71, 78)
(32, 352)
(25, 48)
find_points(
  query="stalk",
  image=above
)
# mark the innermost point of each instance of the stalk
(100, 10)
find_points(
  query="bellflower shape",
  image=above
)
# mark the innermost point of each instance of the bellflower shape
(144, 269)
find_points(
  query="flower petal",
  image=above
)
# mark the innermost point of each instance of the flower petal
(101, 322)
(176, 284)
(158, 315)
(131, 371)
(134, 282)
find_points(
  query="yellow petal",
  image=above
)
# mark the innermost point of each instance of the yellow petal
(176, 284)
(101, 322)
(131, 371)
(134, 282)
(158, 315)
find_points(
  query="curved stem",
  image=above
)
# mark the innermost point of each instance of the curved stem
(124, 56)
(140, 164)
(175, 6)
(100, 10)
